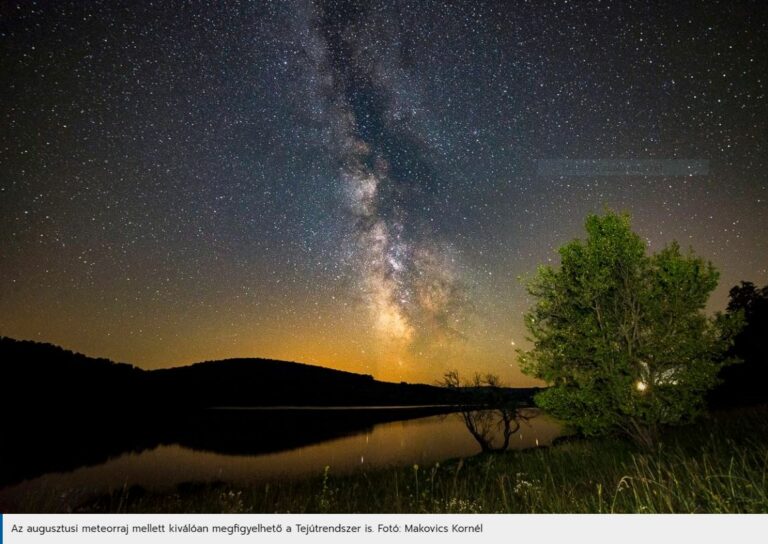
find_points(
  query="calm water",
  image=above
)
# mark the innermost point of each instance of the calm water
(204, 458)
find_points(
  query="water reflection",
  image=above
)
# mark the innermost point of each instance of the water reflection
(55, 443)
(249, 447)
(493, 428)
(496, 416)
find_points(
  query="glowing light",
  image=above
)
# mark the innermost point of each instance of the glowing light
(641, 386)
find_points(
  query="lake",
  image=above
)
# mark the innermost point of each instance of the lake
(247, 447)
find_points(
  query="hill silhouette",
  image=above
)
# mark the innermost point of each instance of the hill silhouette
(265, 382)
(37, 375)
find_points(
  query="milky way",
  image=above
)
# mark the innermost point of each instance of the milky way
(407, 275)
(357, 184)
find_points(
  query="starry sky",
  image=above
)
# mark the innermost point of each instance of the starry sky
(357, 184)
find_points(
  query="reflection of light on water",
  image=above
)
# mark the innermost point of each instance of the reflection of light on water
(424, 441)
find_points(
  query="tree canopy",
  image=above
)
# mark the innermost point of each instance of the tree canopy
(621, 336)
(746, 383)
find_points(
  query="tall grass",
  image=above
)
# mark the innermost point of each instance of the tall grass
(716, 466)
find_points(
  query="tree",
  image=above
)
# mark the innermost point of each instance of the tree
(621, 336)
(493, 414)
(746, 383)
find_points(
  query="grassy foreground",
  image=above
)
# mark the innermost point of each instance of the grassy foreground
(717, 465)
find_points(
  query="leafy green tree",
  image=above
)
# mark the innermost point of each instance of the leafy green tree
(621, 336)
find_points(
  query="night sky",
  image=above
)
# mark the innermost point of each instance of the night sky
(356, 184)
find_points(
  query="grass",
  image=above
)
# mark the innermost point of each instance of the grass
(718, 465)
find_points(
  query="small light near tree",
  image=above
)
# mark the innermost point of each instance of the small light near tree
(641, 386)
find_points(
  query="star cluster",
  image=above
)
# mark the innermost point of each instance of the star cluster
(356, 184)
